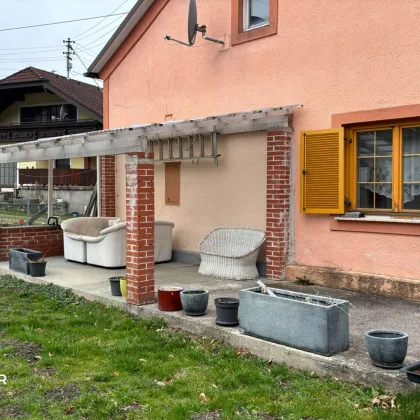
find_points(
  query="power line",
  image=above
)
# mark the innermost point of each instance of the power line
(24, 60)
(103, 36)
(100, 29)
(90, 49)
(87, 58)
(59, 23)
(30, 48)
(31, 52)
(86, 51)
(94, 26)
(77, 55)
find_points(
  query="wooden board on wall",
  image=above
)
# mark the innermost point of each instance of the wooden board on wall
(172, 183)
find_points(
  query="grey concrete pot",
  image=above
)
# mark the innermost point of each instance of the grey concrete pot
(195, 301)
(308, 322)
(387, 348)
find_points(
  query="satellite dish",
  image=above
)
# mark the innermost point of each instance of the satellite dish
(192, 22)
(193, 28)
(64, 113)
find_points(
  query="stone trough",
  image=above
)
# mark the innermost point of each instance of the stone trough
(308, 322)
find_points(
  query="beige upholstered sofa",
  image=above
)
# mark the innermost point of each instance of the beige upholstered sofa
(91, 240)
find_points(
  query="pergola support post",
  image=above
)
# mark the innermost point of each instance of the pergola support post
(98, 185)
(278, 202)
(50, 204)
(140, 217)
(107, 184)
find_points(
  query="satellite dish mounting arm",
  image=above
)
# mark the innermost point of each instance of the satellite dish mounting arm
(169, 38)
(203, 30)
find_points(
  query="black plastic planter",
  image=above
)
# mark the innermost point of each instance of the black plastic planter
(413, 372)
(227, 311)
(37, 268)
(115, 285)
(387, 348)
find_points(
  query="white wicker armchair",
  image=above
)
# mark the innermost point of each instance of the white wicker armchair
(231, 253)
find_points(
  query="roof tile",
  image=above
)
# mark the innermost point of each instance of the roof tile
(87, 95)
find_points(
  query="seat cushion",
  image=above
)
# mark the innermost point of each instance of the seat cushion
(86, 226)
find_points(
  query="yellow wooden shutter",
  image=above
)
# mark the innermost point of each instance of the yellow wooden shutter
(322, 171)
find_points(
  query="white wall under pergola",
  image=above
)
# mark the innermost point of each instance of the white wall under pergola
(134, 142)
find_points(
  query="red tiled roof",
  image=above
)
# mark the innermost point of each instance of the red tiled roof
(84, 94)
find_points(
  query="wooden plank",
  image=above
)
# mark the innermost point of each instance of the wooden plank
(172, 183)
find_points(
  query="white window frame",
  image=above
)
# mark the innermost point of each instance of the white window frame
(246, 14)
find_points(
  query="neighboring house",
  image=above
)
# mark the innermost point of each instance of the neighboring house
(30, 104)
(353, 65)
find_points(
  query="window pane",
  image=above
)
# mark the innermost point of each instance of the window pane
(384, 143)
(365, 170)
(411, 169)
(411, 140)
(365, 196)
(383, 196)
(62, 163)
(259, 11)
(375, 170)
(412, 196)
(365, 143)
(383, 170)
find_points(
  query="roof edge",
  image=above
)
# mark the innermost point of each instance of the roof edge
(117, 39)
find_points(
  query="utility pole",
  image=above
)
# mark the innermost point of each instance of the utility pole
(68, 53)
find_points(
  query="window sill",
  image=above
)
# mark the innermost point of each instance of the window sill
(377, 224)
(253, 34)
(381, 219)
(251, 28)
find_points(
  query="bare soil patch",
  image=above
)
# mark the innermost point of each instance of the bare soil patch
(12, 412)
(25, 349)
(65, 393)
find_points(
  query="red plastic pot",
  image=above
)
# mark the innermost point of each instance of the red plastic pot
(169, 298)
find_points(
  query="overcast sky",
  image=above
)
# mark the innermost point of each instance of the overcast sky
(43, 47)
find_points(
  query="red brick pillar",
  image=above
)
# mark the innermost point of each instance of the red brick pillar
(140, 216)
(278, 202)
(107, 186)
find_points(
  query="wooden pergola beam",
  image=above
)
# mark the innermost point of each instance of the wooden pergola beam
(135, 138)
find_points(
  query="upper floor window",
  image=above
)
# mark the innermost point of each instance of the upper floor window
(253, 19)
(256, 14)
(45, 113)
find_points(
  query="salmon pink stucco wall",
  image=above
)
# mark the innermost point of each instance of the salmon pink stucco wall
(331, 56)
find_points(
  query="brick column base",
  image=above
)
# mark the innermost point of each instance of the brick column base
(278, 202)
(140, 216)
(107, 186)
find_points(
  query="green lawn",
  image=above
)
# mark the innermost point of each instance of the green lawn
(66, 358)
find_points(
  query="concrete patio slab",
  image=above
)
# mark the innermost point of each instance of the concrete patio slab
(366, 312)
(94, 280)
